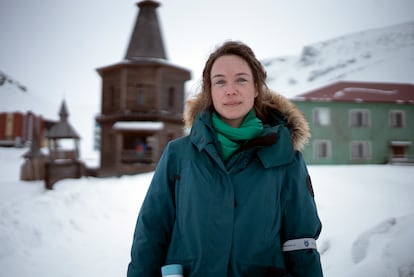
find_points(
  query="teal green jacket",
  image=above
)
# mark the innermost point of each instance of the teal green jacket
(227, 219)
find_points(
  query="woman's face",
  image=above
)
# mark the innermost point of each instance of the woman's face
(232, 89)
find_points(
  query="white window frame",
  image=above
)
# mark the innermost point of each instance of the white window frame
(360, 150)
(317, 155)
(393, 121)
(319, 120)
(355, 121)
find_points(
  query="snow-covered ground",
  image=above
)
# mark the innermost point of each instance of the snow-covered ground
(84, 227)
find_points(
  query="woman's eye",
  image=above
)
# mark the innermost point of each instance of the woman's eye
(241, 80)
(220, 82)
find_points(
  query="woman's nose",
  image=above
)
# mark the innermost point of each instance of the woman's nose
(230, 90)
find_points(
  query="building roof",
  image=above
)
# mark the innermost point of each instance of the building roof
(143, 62)
(62, 129)
(361, 92)
(146, 39)
(146, 46)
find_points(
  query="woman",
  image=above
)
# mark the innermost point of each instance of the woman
(233, 198)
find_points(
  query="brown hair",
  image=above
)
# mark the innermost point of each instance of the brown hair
(265, 103)
(203, 101)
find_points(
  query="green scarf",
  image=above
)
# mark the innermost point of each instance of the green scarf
(232, 138)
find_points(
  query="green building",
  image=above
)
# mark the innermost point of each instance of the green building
(359, 123)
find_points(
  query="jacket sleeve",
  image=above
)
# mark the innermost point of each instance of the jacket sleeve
(154, 224)
(300, 221)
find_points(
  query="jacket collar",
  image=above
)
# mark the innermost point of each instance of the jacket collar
(281, 107)
(202, 132)
(273, 148)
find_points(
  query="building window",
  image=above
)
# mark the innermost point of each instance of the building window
(396, 119)
(360, 150)
(359, 118)
(171, 97)
(321, 116)
(9, 126)
(322, 149)
(140, 95)
(112, 97)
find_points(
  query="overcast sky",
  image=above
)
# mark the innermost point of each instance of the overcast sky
(54, 46)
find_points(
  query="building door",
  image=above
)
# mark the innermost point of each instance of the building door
(399, 151)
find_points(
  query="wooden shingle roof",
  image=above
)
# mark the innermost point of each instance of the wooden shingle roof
(146, 40)
(62, 129)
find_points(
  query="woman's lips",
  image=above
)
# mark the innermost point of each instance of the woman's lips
(232, 104)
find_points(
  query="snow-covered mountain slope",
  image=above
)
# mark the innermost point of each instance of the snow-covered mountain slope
(16, 97)
(377, 55)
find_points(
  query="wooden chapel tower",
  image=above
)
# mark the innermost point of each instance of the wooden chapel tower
(142, 101)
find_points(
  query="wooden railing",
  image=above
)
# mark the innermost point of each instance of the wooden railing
(131, 156)
(63, 154)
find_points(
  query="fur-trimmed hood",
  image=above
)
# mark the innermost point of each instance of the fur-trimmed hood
(296, 122)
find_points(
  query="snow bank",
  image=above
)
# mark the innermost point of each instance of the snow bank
(84, 227)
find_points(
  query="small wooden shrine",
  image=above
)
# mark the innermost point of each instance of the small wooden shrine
(63, 145)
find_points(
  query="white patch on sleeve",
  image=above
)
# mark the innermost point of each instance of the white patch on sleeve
(299, 244)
